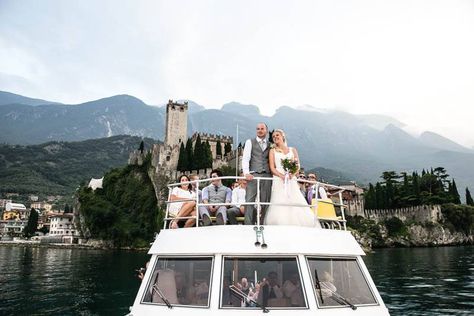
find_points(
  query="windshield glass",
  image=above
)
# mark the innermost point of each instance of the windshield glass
(339, 282)
(262, 282)
(182, 281)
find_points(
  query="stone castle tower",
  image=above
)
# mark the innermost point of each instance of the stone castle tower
(176, 123)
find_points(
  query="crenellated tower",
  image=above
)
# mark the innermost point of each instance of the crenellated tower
(176, 123)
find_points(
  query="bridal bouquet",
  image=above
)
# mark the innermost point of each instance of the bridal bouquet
(290, 165)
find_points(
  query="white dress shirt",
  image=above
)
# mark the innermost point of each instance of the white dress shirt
(238, 196)
(248, 153)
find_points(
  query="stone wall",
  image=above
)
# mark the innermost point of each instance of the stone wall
(420, 214)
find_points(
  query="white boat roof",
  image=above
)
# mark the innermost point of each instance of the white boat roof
(240, 239)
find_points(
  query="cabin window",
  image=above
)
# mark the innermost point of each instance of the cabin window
(339, 283)
(180, 281)
(261, 283)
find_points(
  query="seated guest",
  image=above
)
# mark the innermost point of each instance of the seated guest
(271, 291)
(238, 197)
(216, 192)
(195, 177)
(292, 290)
(312, 190)
(302, 185)
(182, 209)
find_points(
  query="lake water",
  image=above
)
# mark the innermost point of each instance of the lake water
(40, 281)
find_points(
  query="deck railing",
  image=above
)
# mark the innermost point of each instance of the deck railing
(329, 222)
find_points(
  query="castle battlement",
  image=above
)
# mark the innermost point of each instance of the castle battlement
(213, 137)
(421, 213)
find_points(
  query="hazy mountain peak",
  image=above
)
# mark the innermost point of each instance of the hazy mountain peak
(437, 141)
(380, 122)
(120, 99)
(12, 98)
(243, 109)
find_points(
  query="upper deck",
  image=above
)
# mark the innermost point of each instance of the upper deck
(240, 239)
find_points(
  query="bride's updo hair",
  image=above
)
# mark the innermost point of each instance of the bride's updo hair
(283, 136)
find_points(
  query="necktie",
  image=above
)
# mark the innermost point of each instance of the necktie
(262, 144)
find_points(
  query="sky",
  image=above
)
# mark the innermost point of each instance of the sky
(410, 59)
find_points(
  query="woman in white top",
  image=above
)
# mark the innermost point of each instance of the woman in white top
(182, 209)
(285, 189)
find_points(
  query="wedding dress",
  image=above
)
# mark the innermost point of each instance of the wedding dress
(288, 194)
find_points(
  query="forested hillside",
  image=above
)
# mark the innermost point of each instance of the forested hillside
(125, 211)
(60, 167)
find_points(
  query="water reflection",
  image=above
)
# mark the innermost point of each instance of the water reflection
(424, 281)
(66, 281)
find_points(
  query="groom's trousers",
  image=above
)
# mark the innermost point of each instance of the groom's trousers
(251, 195)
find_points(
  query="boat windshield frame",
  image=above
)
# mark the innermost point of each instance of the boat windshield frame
(183, 256)
(264, 257)
(362, 272)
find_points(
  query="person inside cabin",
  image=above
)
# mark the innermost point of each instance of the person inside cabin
(322, 194)
(216, 192)
(272, 294)
(182, 208)
(293, 291)
(238, 197)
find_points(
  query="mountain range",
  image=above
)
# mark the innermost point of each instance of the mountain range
(359, 146)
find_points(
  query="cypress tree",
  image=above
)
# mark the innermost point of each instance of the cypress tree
(227, 148)
(469, 200)
(32, 224)
(199, 154)
(189, 155)
(369, 198)
(219, 148)
(379, 196)
(208, 155)
(182, 160)
(142, 147)
(455, 194)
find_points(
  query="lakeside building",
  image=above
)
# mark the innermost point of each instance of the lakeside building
(61, 224)
(42, 206)
(15, 211)
(12, 228)
(3, 202)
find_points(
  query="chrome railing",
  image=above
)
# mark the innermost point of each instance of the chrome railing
(331, 222)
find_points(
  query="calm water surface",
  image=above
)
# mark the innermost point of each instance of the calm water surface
(41, 281)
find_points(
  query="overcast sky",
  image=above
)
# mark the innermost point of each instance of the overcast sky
(411, 59)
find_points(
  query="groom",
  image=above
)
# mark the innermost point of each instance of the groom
(255, 164)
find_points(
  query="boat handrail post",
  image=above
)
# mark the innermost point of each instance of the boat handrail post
(257, 199)
(197, 203)
(341, 203)
(167, 207)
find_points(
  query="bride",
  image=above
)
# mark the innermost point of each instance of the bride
(286, 192)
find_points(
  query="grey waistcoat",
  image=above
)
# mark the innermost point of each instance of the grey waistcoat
(219, 196)
(259, 158)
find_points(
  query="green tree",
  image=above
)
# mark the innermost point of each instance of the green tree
(208, 155)
(469, 200)
(32, 224)
(219, 148)
(369, 198)
(182, 160)
(190, 155)
(142, 147)
(227, 148)
(456, 198)
(199, 154)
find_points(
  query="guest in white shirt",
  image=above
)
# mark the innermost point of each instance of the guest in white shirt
(185, 205)
(238, 197)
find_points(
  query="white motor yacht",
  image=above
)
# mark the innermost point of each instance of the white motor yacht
(249, 270)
